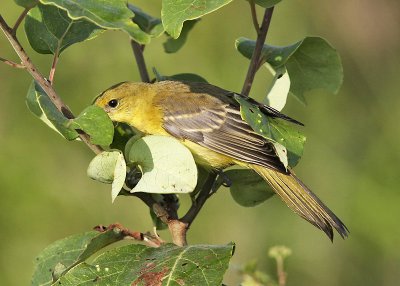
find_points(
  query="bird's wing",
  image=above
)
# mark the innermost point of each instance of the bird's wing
(217, 125)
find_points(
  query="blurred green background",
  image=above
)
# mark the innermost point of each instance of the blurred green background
(350, 161)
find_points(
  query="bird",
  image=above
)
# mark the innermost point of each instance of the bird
(207, 120)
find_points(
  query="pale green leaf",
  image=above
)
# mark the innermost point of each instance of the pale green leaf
(248, 189)
(95, 122)
(274, 129)
(175, 12)
(277, 94)
(141, 265)
(173, 45)
(167, 165)
(63, 254)
(110, 15)
(40, 104)
(50, 30)
(109, 167)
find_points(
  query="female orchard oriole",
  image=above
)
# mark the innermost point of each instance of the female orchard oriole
(207, 120)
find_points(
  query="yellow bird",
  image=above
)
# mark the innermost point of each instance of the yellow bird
(207, 120)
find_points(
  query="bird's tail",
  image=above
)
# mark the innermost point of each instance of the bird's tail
(302, 201)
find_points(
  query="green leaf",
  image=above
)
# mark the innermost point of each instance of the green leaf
(173, 45)
(274, 129)
(179, 77)
(248, 189)
(266, 3)
(40, 104)
(311, 63)
(166, 265)
(279, 90)
(175, 12)
(167, 165)
(122, 133)
(50, 30)
(110, 15)
(63, 254)
(26, 3)
(95, 122)
(109, 167)
(147, 23)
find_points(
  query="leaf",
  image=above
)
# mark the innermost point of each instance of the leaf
(179, 77)
(248, 189)
(95, 122)
(109, 167)
(40, 104)
(274, 129)
(26, 3)
(174, 13)
(311, 63)
(50, 30)
(266, 3)
(277, 95)
(63, 254)
(173, 45)
(110, 15)
(167, 165)
(167, 265)
(147, 23)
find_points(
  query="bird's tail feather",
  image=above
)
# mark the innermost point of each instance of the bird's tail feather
(302, 201)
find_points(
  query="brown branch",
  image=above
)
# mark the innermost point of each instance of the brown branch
(254, 16)
(255, 59)
(12, 64)
(38, 77)
(20, 19)
(141, 64)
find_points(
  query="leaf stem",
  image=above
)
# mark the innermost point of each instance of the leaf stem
(255, 59)
(141, 64)
(12, 64)
(39, 78)
(53, 67)
(254, 16)
(20, 19)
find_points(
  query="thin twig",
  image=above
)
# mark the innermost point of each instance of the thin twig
(254, 16)
(45, 85)
(12, 64)
(141, 64)
(20, 19)
(280, 271)
(255, 59)
(53, 67)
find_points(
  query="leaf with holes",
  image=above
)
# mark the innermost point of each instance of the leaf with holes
(50, 30)
(174, 13)
(275, 130)
(167, 165)
(110, 15)
(141, 265)
(62, 255)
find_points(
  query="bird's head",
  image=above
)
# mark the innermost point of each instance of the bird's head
(121, 100)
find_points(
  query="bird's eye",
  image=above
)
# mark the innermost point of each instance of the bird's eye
(113, 103)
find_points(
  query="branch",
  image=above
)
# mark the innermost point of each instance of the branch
(141, 64)
(38, 77)
(53, 67)
(12, 64)
(255, 59)
(254, 16)
(20, 19)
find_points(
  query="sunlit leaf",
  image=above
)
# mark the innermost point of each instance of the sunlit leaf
(40, 104)
(175, 12)
(50, 30)
(173, 45)
(109, 167)
(95, 122)
(311, 63)
(248, 189)
(68, 252)
(274, 129)
(167, 165)
(278, 93)
(110, 15)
